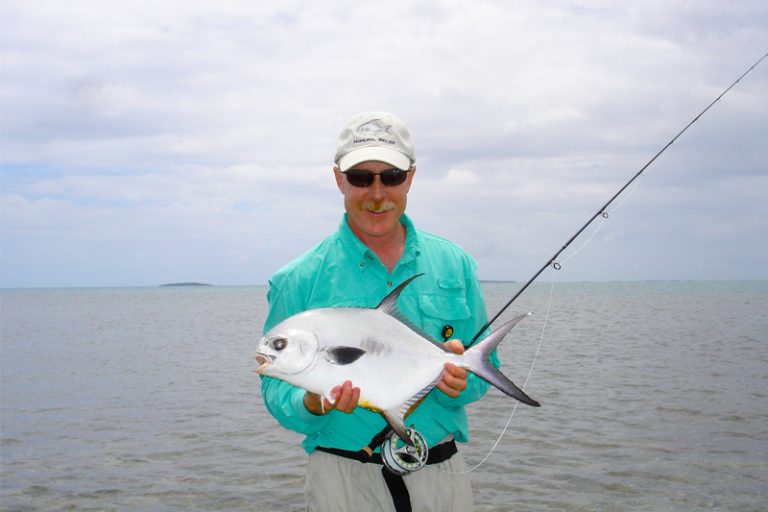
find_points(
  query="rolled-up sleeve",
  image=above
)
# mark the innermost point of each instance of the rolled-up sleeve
(284, 401)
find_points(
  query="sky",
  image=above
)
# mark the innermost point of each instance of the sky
(148, 142)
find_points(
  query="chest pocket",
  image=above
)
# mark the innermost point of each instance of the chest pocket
(445, 305)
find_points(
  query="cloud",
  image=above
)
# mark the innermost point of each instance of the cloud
(176, 123)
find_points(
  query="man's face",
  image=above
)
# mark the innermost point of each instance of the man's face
(374, 212)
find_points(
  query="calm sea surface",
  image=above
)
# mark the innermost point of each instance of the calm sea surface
(655, 398)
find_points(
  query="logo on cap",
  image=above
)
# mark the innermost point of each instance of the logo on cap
(374, 131)
(375, 126)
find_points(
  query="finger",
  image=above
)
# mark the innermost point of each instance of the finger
(456, 383)
(453, 380)
(455, 346)
(448, 389)
(340, 396)
(354, 399)
(455, 371)
(335, 394)
(346, 402)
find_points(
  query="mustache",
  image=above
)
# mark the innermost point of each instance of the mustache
(379, 206)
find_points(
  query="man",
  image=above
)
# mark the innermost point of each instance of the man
(375, 249)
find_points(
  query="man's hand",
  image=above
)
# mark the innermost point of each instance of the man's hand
(454, 379)
(346, 397)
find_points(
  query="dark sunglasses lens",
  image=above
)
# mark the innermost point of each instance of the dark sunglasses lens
(359, 178)
(393, 177)
(389, 178)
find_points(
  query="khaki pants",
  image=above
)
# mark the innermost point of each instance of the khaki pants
(337, 484)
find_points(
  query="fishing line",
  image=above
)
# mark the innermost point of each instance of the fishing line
(525, 383)
(602, 211)
(552, 262)
(724, 338)
(527, 378)
(630, 192)
(603, 218)
(586, 243)
(548, 310)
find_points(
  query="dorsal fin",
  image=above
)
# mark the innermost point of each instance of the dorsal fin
(389, 306)
(389, 303)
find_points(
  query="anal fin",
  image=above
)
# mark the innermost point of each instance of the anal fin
(395, 417)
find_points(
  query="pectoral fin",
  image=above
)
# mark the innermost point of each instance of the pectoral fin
(343, 355)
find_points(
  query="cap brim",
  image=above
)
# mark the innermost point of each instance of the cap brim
(377, 154)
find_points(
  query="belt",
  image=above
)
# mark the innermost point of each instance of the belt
(437, 454)
(395, 484)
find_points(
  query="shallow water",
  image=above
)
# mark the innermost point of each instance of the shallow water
(655, 397)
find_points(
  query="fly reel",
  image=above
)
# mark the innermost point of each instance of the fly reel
(401, 458)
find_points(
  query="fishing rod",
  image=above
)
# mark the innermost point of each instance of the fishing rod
(401, 458)
(602, 211)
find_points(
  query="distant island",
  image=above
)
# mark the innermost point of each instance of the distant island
(186, 284)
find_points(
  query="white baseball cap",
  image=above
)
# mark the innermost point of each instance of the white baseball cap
(378, 136)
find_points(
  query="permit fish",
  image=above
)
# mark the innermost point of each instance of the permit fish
(392, 362)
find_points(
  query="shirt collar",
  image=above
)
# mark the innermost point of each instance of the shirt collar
(366, 256)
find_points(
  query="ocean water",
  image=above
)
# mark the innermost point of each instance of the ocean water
(655, 398)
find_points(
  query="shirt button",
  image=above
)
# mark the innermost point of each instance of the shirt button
(389, 283)
(362, 263)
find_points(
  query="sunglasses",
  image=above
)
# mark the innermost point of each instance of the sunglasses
(389, 178)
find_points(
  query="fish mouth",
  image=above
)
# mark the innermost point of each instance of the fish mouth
(265, 361)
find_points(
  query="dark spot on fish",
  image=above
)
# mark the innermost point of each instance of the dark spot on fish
(343, 355)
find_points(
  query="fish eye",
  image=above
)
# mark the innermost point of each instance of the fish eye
(279, 344)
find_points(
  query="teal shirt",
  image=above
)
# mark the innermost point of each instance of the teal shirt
(341, 272)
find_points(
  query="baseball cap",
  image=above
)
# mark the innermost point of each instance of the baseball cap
(378, 136)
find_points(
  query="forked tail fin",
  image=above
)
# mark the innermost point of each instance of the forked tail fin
(477, 360)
